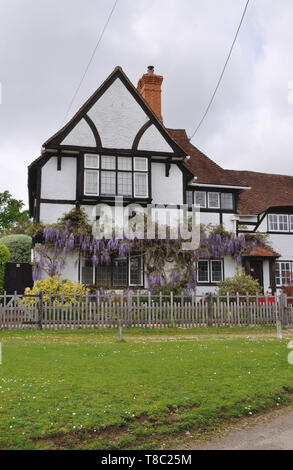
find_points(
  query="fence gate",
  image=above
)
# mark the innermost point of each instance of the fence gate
(18, 276)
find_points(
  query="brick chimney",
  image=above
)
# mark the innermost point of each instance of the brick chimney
(149, 86)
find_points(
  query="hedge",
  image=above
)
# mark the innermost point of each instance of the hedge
(19, 247)
(4, 258)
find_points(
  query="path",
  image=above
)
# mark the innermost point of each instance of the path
(271, 431)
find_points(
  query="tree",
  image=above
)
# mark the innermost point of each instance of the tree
(21, 226)
(9, 210)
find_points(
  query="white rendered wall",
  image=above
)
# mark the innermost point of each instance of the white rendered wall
(152, 139)
(209, 218)
(229, 222)
(81, 135)
(49, 213)
(282, 244)
(167, 190)
(117, 116)
(71, 268)
(59, 184)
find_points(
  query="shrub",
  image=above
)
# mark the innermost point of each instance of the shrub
(241, 283)
(19, 247)
(4, 258)
(56, 287)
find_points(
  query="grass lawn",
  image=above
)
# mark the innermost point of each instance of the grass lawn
(84, 389)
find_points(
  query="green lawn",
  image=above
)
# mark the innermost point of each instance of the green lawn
(84, 389)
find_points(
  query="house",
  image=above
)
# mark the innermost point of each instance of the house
(117, 144)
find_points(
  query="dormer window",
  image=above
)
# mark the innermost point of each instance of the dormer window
(224, 201)
(278, 223)
(109, 175)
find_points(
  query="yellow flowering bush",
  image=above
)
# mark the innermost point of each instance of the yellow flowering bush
(56, 287)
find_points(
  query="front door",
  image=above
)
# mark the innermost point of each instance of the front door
(256, 270)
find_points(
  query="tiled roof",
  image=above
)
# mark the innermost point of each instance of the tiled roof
(202, 167)
(263, 251)
(267, 190)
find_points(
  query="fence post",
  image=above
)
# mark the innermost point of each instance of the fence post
(40, 310)
(283, 310)
(172, 308)
(210, 309)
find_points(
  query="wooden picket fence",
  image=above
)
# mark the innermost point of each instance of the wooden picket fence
(140, 310)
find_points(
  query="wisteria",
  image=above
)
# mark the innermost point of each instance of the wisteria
(165, 262)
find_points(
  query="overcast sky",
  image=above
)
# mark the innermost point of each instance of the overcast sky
(45, 46)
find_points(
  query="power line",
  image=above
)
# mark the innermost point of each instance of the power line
(222, 73)
(91, 59)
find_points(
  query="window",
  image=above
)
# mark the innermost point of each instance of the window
(108, 182)
(200, 198)
(91, 176)
(120, 272)
(91, 183)
(91, 161)
(124, 184)
(140, 185)
(124, 163)
(209, 271)
(135, 271)
(216, 270)
(291, 223)
(278, 223)
(203, 271)
(189, 198)
(211, 200)
(283, 268)
(108, 163)
(140, 164)
(214, 200)
(87, 271)
(227, 201)
(109, 175)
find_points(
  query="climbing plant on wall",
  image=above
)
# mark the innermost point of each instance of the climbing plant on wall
(166, 263)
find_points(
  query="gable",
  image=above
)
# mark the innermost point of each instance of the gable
(116, 117)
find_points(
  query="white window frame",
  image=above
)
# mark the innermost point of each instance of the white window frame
(219, 202)
(147, 186)
(280, 271)
(140, 159)
(222, 270)
(98, 177)
(208, 263)
(278, 223)
(291, 223)
(86, 165)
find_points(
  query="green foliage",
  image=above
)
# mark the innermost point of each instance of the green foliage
(4, 258)
(19, 247)
(54, 285)
(77, 220)
(21, 226)
(9, 211)
(241, 283)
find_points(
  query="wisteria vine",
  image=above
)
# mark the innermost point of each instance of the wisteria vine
(165, 262)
